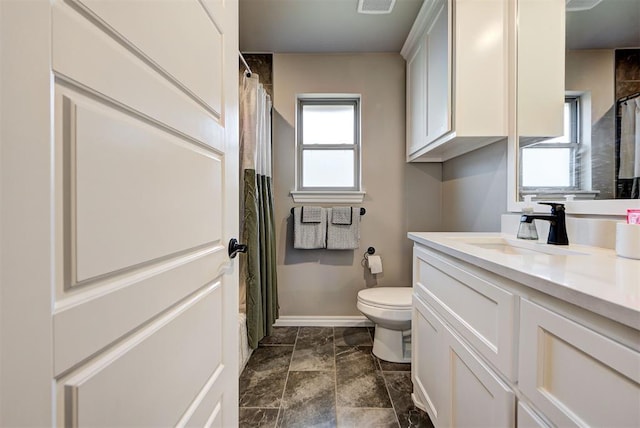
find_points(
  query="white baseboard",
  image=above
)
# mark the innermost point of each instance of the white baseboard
(323, 321)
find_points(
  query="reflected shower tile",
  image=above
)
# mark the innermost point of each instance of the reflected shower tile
(400, 389)
(356, 418)
(353, 336)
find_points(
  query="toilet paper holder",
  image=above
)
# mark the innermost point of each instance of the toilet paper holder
(365, 257)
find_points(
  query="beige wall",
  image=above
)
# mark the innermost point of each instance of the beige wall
(400, 197)
(474, 189)
(592, 70)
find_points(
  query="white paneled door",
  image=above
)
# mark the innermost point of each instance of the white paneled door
(119, 195)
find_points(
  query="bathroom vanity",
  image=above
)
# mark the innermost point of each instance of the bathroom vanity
(510, 333)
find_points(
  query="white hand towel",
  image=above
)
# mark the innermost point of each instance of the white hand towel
(312, 214)
(344, 236)
(309, 235)
(342, 215)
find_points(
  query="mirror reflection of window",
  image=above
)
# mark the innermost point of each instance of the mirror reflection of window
(602, 59)
(559, 155)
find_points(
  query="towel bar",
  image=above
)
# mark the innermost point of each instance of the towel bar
(362, 211)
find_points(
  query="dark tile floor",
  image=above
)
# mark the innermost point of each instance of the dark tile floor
(325, 377)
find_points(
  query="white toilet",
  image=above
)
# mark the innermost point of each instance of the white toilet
(390, 309)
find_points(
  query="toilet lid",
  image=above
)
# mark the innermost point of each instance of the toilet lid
(397, 297)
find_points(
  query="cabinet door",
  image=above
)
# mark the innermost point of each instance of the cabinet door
(438, 79)
(541, 67)
(455, 387)
(478, 398)
(527, 418)
(427, 362)
(417, 96)
(574, 375)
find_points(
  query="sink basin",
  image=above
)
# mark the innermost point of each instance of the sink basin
(518, 247)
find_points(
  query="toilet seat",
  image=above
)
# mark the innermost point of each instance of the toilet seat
(396, 298)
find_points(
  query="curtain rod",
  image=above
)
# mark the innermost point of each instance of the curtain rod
(246, 66)
(629, 97)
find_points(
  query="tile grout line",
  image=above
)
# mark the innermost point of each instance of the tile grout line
(393, 405)
(286, 380)
(386, 385)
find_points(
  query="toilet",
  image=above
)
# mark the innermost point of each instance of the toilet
(390, 310)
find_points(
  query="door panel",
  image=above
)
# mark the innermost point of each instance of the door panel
(137, 184)
(147, 393)
(197, 31)
(84, 322)
(86, 57)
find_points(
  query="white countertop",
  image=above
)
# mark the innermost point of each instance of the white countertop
(597, 280)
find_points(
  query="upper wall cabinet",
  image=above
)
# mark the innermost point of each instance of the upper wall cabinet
(541, 69)
(457, 78)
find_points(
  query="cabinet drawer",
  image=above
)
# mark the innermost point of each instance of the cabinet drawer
(481, 312)
(574, 375)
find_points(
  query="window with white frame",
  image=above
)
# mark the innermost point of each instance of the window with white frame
(553, 164)
(328, 143)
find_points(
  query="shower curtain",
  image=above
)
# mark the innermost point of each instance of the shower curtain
(258, 269)
(629, 169)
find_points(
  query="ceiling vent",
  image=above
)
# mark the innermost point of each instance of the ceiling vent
(577, 5)
(375, 7)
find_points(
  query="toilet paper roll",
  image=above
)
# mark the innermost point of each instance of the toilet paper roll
(375, 264)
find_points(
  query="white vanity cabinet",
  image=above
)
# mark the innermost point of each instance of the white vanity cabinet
(451, 382)
(453, 309)
(488, 350)
(457, 78)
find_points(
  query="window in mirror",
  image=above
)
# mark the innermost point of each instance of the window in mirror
(559, 155)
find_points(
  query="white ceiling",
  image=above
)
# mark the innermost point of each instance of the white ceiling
(611, 24)
(312, 26)
(322, 26)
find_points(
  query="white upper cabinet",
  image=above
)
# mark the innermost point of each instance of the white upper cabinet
(541, 69)
(457, 78)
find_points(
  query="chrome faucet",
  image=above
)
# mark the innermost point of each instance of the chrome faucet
(558, 229)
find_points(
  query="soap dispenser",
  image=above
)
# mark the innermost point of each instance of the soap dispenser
(528, 230)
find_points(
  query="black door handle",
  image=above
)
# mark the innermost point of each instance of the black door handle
(235, 248)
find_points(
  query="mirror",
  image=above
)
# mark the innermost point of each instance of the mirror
(587, 146)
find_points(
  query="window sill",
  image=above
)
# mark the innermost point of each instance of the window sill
(328, 196)
(547, 194)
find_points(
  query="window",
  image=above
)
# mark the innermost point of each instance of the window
(328, 146)
(553, 163)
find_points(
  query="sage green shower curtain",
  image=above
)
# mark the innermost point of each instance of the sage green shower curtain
(258, 268)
